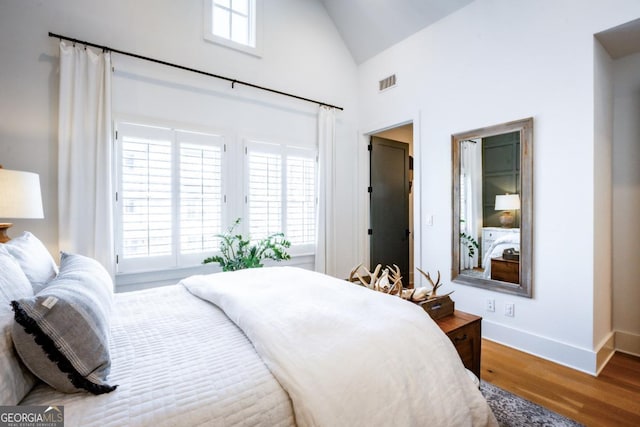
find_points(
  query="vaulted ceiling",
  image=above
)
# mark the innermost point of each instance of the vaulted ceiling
(370, 26)
(622, 40)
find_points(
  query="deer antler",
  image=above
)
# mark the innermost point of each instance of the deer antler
(396, 280)
(389, 280)
(352, 275)
(374, 276)
(355, 277)
(434, 286)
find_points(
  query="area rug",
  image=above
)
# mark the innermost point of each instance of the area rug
(513, 411)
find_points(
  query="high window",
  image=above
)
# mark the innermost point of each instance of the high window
(232, 23)
(172, 196)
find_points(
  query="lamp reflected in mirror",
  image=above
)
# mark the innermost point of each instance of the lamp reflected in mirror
(507, 203)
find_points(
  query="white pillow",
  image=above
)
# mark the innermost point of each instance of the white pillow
(34, 259)
(15, 378)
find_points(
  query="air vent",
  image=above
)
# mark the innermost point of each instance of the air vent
(387, 83)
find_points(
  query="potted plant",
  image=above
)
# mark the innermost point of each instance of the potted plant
(238, 252)
(470, 243)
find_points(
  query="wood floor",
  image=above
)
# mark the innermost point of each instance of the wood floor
(611, 399)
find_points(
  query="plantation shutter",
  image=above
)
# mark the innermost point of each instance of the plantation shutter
(146, 192)
(171, 203)
(264, 192)
(201, 192)
(301, 198)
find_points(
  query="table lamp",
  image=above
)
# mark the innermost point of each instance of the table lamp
(20, 197)
(507, 203)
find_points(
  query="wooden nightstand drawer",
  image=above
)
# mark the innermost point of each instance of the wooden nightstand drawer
(464, 340)
(464, 331)
(505, 270)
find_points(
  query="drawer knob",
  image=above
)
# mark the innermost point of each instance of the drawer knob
(458, 339)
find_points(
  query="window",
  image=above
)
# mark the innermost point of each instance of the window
(200, 193)
(301, 199)
(281, 193)
(264, 193)
(146, 195)
(178, 189)
(170, 197)
(232, 23)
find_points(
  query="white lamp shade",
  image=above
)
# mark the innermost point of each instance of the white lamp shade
(507, 202)
(20, 195)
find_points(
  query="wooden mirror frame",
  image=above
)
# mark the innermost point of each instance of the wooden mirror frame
(525, 287)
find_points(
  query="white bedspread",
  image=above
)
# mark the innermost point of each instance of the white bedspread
(347, 356)
(511, 240)
(178, 361)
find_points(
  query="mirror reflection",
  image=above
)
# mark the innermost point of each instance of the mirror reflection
(491, 168)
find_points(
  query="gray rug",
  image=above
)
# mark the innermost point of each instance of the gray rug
(514, 411)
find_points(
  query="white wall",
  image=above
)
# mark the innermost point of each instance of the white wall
(302, 54)
(626, 203)
(603, 208)
(492, 62)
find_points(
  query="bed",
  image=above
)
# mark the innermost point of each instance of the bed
(510, 240)
(278, 346)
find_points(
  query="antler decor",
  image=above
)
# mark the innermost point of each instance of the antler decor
(389, 281)
(434, 286)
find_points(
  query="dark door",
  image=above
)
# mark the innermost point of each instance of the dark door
(389, 195)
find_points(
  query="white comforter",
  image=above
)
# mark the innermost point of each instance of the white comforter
(347, 356)
(511, 240)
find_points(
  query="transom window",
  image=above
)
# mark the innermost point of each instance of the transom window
(232, 23)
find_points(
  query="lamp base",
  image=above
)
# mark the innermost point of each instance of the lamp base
(4, 226)
(506, 219)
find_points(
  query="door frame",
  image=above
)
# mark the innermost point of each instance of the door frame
(364, 214)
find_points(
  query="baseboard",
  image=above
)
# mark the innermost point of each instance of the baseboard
(568, 355)
(626, 342)
(605, 353)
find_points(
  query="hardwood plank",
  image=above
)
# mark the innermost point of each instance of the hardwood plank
(611, 399)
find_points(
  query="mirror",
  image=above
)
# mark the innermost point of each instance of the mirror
(492, 207)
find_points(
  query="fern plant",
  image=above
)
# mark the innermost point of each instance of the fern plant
(469, 242)
(238, 252)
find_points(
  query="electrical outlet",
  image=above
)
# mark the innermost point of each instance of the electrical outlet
(509, 309)
(491, 304)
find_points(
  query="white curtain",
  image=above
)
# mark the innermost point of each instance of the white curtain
(471, 200)
(84, 154)
(325, 261)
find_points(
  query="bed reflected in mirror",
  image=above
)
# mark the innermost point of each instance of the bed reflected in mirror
(492, 206)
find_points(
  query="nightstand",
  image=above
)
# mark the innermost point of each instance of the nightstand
(506, 270)
(464, 330)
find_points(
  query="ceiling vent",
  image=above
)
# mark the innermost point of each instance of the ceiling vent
(387, 83)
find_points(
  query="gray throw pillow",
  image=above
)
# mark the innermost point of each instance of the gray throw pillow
(61, 334)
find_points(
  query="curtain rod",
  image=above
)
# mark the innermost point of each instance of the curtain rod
(169, 64)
